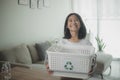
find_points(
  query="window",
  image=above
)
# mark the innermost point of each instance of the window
(101, 17)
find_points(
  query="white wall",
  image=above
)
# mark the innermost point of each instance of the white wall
(21, 24)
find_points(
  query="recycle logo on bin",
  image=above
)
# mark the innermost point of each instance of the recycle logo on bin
(68, 65)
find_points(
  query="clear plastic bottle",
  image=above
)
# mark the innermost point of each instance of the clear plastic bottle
(6, 71)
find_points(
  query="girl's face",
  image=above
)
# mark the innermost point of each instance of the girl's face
(73, 23)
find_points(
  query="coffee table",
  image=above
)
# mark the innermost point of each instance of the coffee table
(20, 73)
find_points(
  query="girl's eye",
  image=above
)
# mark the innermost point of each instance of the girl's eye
(77, 21)
(69, 20)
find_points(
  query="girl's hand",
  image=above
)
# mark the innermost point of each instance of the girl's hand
(49, 71)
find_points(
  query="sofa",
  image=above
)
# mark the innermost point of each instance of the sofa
(31, 56)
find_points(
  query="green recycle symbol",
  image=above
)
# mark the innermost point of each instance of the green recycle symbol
(68, 65)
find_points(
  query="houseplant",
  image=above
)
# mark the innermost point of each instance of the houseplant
(100, 44)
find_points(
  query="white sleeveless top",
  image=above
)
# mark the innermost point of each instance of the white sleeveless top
(66, 42)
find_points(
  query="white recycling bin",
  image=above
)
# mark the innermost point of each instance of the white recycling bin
(75, 61)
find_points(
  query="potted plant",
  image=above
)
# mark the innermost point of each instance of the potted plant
(100, 44)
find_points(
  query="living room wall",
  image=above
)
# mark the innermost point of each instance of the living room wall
(21, 24)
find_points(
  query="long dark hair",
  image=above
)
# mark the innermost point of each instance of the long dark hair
(82, 30)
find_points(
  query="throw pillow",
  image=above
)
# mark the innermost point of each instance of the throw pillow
(33, 52)
(22, 54)
(18, 54)
(41, 49)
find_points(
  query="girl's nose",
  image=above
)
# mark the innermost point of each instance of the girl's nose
(73, 22)
(74, 25)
